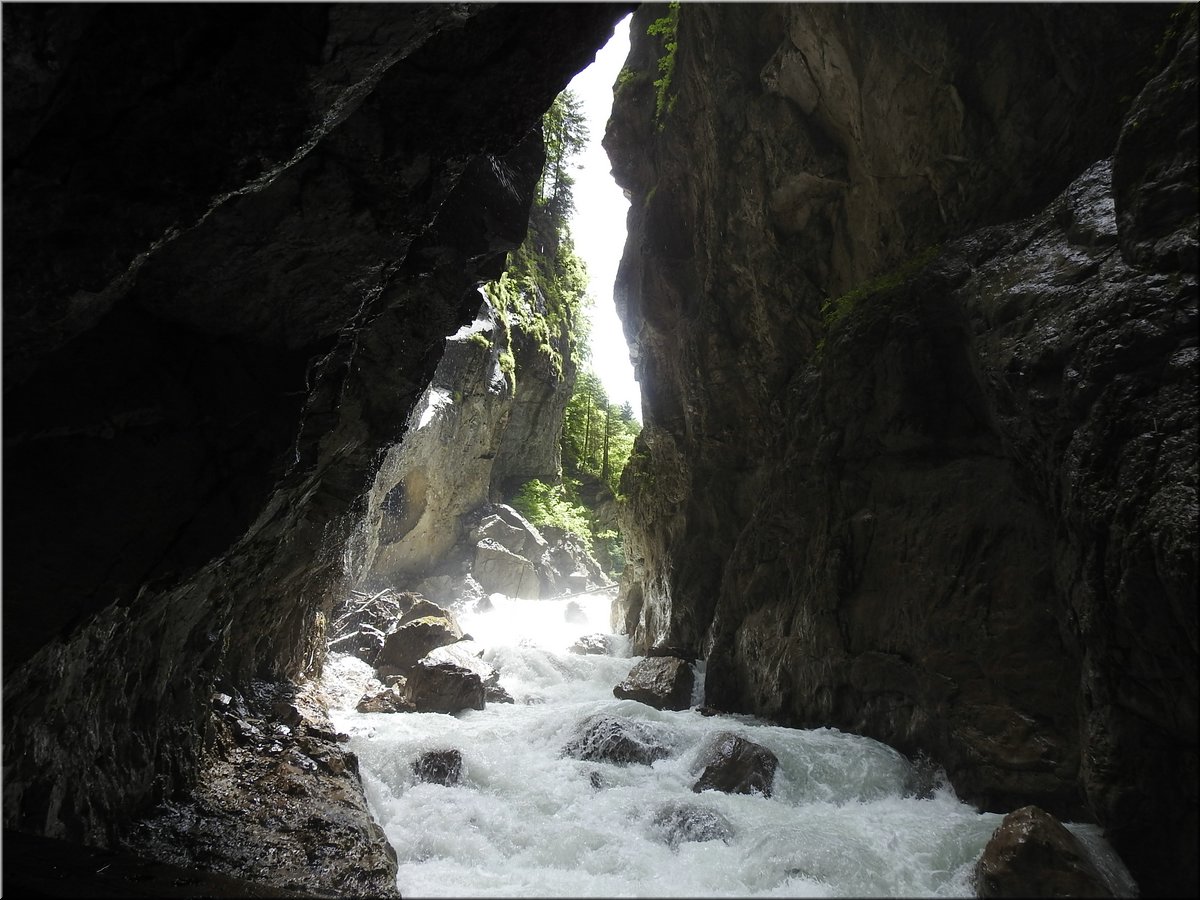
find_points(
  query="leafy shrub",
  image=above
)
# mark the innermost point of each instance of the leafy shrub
(550, 504)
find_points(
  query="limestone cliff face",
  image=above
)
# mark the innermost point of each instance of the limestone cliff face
(236, 239)
(918, 365)
(473, 438)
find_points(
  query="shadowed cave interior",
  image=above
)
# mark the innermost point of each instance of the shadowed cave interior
(910, 292)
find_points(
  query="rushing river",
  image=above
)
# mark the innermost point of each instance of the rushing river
(527, 821)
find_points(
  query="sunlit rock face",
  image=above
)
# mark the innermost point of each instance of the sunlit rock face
(918, 362)
(477, 434)
(235, 241)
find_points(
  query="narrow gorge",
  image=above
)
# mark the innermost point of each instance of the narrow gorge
(292, 361)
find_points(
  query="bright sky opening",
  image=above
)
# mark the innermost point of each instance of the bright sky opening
(598, 224)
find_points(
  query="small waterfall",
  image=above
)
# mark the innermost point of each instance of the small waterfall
(527, 821)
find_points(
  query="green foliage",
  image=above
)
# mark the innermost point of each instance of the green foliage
(565, 132)
(543, 289)
(597, 435)
(624, 77)
(478, 337)
(609, 548)
(834, 311)
(668, 29)
(554, 504)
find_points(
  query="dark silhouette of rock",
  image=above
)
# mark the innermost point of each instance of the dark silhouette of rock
(439, 767)
(1031, 854)
(946, 498)
(411, 642)
(574, 614)
(218, 317)
(622, 742)
(736, 766)
(679, 822)
(444, 688)
(662, 682)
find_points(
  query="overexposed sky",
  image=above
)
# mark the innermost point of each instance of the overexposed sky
(598, 224)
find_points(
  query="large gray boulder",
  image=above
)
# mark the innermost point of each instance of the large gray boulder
(439, 767)
(663, 682)
(1032, 854)
(499, 570)
(389, 700)
(409, 643)
(615, 740)
(676, 823)
(444, 688)
(736, 766)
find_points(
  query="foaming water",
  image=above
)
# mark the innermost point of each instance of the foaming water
(527, 821)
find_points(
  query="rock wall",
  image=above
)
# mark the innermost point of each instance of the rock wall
(918, 365)
(235, 241)
(476, 435)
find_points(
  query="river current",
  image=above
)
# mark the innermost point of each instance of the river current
(527, 821)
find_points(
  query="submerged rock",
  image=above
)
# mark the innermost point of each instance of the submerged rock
(663, 682)
(622, 742)
(679, 822)
(737, 766)
(439, 767)
(595, 644)
(1032, 854)
(443, 687)
(574, 614)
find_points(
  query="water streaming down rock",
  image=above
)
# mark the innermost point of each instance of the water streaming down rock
(844, 817)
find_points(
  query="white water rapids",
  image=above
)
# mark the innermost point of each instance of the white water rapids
(527, 821)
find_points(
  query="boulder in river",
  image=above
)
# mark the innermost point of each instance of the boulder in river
(499, 570)
(664, 682)
(737, 766)
(616, 740)
(574, 614)
(443, 687)
(439, 767)
(598, 644)
(421, 608)
(1032, 854)
(677, 823)
(412, 641)
(389, 700)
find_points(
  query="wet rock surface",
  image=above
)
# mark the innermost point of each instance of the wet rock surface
(217, 317)
(678, 823)
(279, 803)
(443, 767)
(1031, 854)
(599, 644)
(443, 687)
(43, 867)
(391, 699)
(945, 495)
(408, 644)
(735, 765)
(615, 740)
(662, 682)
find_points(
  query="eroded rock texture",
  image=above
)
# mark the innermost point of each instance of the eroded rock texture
(917, 343)
(235, 241)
